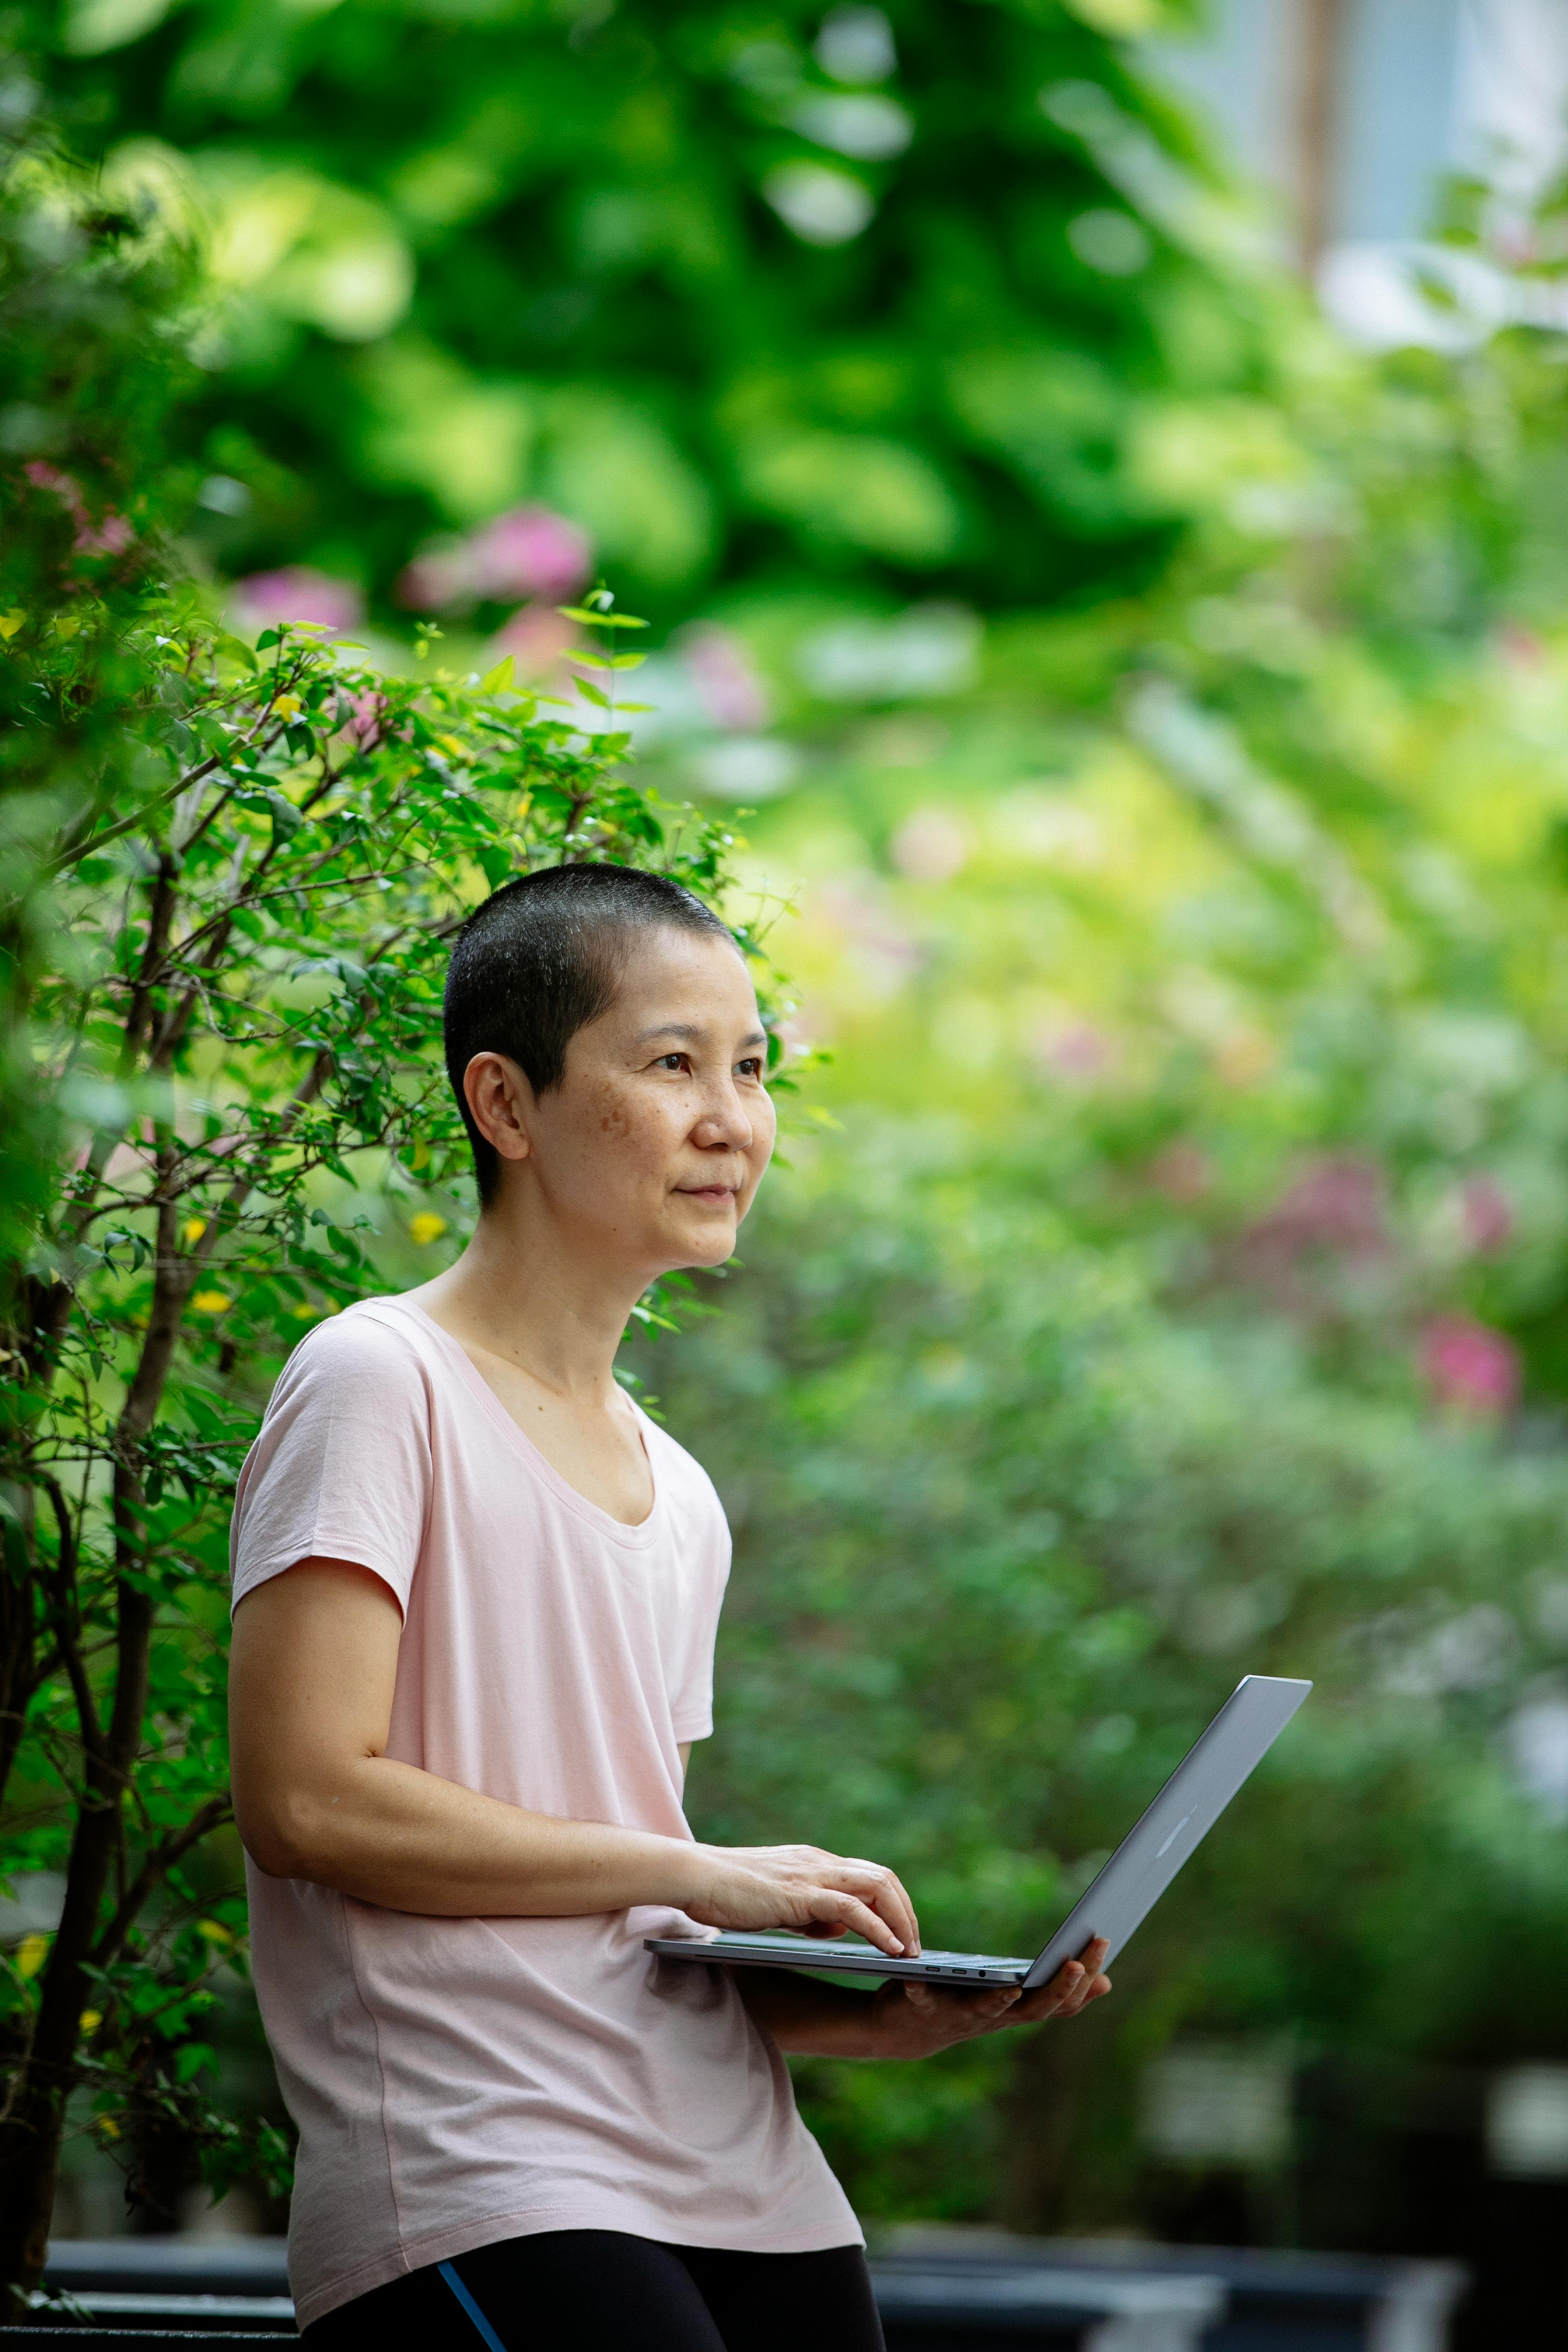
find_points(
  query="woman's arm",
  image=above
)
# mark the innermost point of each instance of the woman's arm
(312, 1670)
(814, 2018)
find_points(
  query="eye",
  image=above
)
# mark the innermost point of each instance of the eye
(752, 1067)
(673, 1062)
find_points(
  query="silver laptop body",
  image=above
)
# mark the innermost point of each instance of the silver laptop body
(1121, 1899)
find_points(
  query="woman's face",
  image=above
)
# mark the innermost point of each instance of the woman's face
(651, 1149)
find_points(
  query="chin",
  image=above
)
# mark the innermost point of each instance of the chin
(713, 1246)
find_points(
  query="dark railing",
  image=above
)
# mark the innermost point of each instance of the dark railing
(938, 2290)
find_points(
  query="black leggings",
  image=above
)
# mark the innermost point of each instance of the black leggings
(600, 2291)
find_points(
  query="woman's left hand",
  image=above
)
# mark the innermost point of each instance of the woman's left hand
(911, 2019)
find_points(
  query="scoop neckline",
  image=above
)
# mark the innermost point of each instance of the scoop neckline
(639, 1535)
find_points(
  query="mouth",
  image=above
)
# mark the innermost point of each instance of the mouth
(716, 1196)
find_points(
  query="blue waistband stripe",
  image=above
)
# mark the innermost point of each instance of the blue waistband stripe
(491, 2339)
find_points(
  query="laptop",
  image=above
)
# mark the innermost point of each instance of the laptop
(1121, 1899)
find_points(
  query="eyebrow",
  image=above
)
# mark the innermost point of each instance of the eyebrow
(688, 1029)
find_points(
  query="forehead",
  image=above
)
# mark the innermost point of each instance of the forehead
(685, 974)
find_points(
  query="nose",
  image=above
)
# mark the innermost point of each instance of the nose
(725, 1124)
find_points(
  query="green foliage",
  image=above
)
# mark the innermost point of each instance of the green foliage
(1193, 981)
(879, 298)
(1004, 1540)
(94, 290)
(1187, 939)
(240, 1023)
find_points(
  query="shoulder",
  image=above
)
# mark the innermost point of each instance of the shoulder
(686, 1484)
(371, 1345)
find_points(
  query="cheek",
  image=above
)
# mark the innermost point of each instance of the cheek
(764, 1127)
(613, 1122)
(636, 1132)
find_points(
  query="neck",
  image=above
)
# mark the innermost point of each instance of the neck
(525, 1293)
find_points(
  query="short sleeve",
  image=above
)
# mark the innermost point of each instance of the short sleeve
(703, 1540)
(342, 1468)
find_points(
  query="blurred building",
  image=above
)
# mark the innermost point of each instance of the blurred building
(1356, 114)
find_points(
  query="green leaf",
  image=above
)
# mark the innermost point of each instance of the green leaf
(599, 620)
(286, 818)
(498, 681)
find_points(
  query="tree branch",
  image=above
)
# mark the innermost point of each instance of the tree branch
(164, 1857)
(63, 1584)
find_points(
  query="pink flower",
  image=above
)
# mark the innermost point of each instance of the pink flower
(112, 536)
(297, 592)
(1485, 1213)
(438, 577)
(1074, 1051)
(1336, 1204)
(529, 552)
(49, 477)
(361, 718)
(1519, 647)
(536, 637)
(1182, 1171)
(931, 845)
(1467, 1366)
(731, 691)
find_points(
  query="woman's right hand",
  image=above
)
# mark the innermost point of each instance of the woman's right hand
(799, 1887)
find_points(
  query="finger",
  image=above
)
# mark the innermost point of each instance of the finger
(996, 2008)
(1035, 2007)
(959, 2015)
(1064, 1984)
(1090, 1988)
(1072, 1973)
(957, 2001)
(831, 1903)
(884, 1891)
(900, 1915)
(1089, 1962)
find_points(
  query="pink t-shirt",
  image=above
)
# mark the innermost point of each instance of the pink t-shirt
(459, 2081)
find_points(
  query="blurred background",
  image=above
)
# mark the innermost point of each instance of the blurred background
(1098, 477)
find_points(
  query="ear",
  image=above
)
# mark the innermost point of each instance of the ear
(499, 1101)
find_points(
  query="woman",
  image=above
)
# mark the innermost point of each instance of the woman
(476, 1591)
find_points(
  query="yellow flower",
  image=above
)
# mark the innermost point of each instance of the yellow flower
(10, 623)
(31, 1954)
(211, 1302)
(426, 1227)
(108, 2127)
(287, 705)
(192, 1230)
(91, 2019)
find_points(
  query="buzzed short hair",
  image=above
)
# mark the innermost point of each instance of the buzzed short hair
(541, 959)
